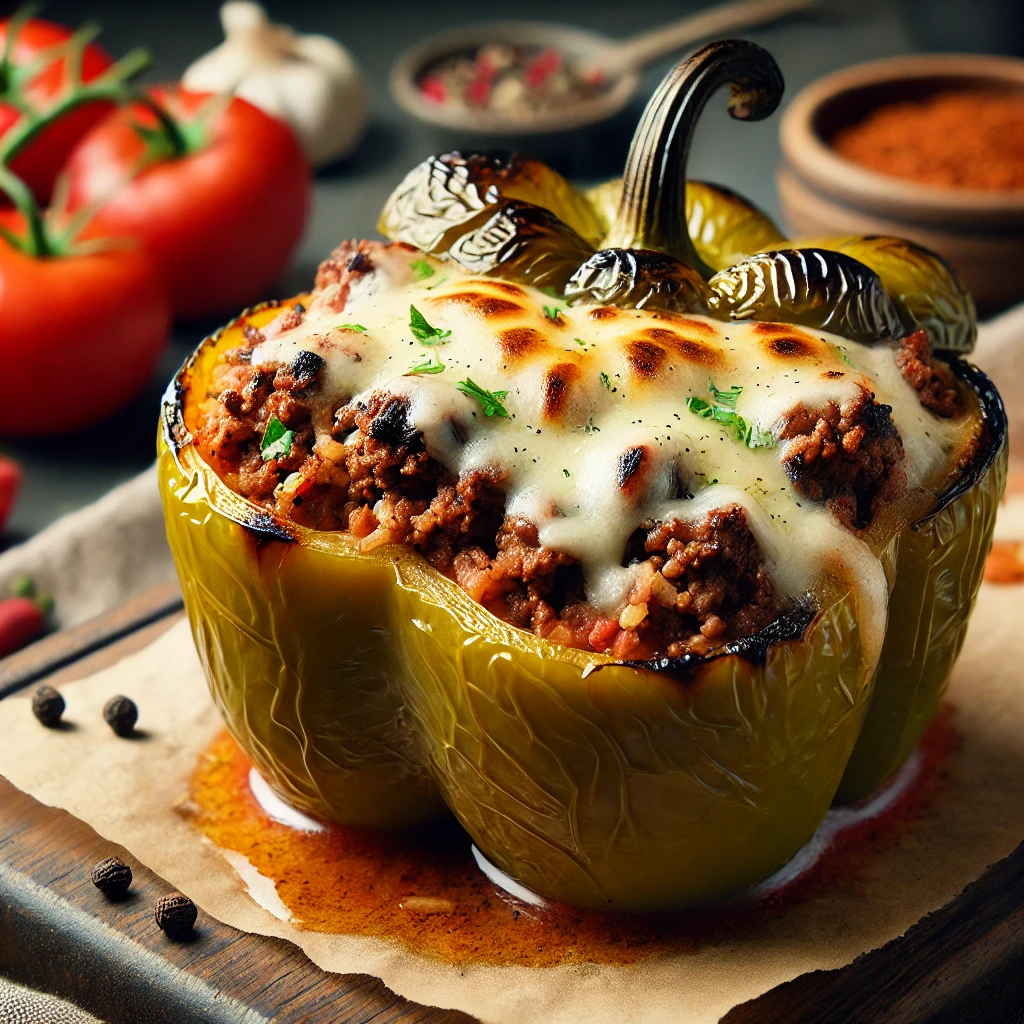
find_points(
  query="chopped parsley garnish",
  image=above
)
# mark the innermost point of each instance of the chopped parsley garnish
(722, 409)
(758, 438)
(589, 428)
(565, 473)
(422, 331)
(552, 313)
(277, 440)
(605, 380)
(579, 341)
(725, 398)
(490, 401)
(351, 327)
(421, 269)
(841, 353)
(431, 364)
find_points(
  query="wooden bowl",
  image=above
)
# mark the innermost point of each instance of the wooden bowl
(822, 193)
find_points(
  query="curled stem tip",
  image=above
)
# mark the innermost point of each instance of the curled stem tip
(652, 211)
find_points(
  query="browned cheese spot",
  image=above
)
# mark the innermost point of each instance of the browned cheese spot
(518, 343)
(488, 306)
(693, 351)
(788, 342)
(645, 359)
(634, 467)
(558, 382)
(604, 313)
(508, 288)
(689, 324)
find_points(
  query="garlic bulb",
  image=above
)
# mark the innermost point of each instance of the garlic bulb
(309, 81)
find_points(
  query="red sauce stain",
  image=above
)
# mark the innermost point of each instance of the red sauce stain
(424, 890)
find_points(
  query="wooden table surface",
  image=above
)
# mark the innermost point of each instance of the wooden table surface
(965, 963)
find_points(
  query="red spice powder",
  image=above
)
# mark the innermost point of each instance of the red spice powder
(424, 890)
(972, 140)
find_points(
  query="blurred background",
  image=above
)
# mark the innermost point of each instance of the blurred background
(63, 474)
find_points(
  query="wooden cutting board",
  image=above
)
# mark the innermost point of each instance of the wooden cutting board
(964, 963)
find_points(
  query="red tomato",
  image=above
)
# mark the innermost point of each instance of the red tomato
(21, 621)
(39, 163)
(10, 480)
(221, 221)
(80, 336)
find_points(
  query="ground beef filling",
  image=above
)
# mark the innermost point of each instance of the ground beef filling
(364, 469)
(699, 585)
(933, 381)
(848, 456)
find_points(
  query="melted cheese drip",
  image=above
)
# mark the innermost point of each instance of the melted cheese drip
(591, 384)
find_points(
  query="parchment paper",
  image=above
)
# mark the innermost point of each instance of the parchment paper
(127, 790)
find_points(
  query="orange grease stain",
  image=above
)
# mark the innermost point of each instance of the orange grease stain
(424, 890)
(1005, 562)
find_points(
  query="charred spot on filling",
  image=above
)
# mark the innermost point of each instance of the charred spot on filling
(391, 424)
(630, 471)
(301, 374)
(359, 263)
(558, 382)
(349, 260)
(518, 342)
(848, 456)
(933, 381)
(604, 313)
(833, 374)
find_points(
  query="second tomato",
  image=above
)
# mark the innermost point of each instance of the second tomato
(220, 201)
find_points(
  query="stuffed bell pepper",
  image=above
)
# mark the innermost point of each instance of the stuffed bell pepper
(614, 524)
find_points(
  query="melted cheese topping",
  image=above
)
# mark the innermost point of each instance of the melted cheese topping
(599, 435)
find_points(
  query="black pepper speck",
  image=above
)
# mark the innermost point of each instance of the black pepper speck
(48, 706)
(112, 877)
(121, 714)
(176, 915)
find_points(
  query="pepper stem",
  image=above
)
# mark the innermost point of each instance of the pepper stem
(652, 211)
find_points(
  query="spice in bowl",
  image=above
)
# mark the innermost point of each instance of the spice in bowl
(970, 139)
(511, 80)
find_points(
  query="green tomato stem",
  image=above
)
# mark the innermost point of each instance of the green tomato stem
(34, 242)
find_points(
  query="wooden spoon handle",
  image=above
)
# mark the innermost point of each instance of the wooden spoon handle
(639, 51)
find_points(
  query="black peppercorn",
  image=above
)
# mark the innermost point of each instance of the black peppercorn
(48, 706)
(112, 877)
(175, 914)
(121, 714)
